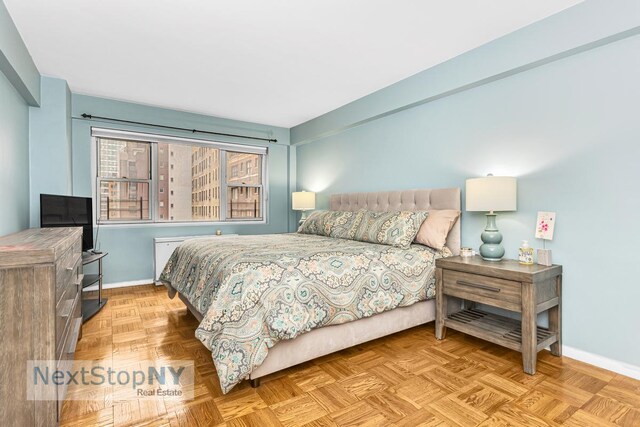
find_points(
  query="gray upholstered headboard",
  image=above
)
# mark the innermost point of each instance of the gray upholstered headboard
(404, 200)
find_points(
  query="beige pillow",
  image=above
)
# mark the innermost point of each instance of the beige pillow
(435, 229)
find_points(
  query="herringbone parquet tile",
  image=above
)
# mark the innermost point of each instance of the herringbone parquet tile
(407, 379)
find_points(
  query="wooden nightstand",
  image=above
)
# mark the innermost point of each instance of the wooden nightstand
(525, 289)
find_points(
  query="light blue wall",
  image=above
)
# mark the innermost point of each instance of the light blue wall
(14, 159)
(19, 87)
(15, 61)
(582, 27)
(50, 144)
(569, 131)
(131, 248)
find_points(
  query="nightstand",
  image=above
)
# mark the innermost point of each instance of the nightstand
(507, 284)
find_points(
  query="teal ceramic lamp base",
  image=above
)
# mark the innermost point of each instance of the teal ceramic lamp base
(491, 249)
(303, 217)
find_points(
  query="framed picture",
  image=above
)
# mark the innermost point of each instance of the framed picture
(545, 225)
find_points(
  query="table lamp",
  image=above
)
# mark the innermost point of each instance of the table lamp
(491, 194)
(303, 201)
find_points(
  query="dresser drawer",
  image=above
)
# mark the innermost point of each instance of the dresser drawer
(68, 269)
(68, 309)
(65, 355)
(71, 284)
(487, 290)
(69, 291)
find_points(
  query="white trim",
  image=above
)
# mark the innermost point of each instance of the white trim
(602, 362)
(116, 224)
(183, 238)
(120, 285)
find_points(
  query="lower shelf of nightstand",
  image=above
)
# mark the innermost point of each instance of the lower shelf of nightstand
(496, 329)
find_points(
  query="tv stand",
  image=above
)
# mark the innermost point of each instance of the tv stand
(90, 306)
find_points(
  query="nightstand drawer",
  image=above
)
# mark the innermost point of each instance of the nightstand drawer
(484, 289)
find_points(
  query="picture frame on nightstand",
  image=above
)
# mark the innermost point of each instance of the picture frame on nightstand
(545, 226)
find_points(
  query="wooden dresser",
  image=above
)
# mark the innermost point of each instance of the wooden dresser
(40, 315)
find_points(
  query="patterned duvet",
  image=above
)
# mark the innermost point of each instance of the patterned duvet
(257, 290)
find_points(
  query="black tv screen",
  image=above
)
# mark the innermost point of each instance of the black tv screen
(68, 211)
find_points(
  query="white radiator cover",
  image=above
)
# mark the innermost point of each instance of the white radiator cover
(163, 247)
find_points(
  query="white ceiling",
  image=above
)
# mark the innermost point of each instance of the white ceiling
(278, 62)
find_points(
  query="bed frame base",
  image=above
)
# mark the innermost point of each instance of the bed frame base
(329, 339)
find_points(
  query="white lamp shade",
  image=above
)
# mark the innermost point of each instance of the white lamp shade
(303, 200)
(491, 193)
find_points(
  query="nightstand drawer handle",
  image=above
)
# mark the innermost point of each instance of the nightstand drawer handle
(476, 285)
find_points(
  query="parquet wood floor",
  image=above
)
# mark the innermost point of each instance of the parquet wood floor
(407, 379)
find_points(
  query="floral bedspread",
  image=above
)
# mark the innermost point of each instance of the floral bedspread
(257, 290)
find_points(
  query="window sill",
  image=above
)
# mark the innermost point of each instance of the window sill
(178, 224)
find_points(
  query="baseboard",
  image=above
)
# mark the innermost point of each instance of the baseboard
(581, 355)
(120, 285)
(602, 362)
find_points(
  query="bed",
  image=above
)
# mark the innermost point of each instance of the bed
(232, 283)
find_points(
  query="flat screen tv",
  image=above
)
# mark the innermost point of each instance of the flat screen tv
(68, 211)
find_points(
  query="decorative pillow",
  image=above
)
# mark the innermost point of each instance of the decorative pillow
(314, 224)
(387, 228)
(436, 228)
(340, 223)
(329, 223)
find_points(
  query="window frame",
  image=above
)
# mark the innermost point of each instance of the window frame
(225, 185)
(149, 181)
(154, 140)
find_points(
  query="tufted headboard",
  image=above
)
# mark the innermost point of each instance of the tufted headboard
(404, 200)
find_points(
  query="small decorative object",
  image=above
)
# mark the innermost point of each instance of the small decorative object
(525, 254)
(218, 232)
(545, 226)
(467, 252)
(489, 194)
(544, 257)
(303, 201)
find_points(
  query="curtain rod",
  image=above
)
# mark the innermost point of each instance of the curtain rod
(89, 117)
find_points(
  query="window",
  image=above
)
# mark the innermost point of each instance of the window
(124, 179)
(245, 186)
(142, 176)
